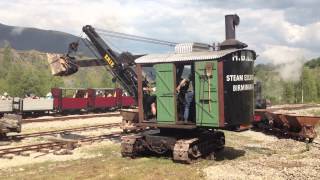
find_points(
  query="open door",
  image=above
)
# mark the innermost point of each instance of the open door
(166, 98)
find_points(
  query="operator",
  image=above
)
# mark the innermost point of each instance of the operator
(187, 85)
(151, 99)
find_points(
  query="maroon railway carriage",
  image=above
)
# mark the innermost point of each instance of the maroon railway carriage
(69, 99)
(75, 99)
(104, 98)
(127, 101)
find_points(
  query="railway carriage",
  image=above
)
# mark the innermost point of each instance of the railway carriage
(65, 100)
(104, 98)
(69, 99)
(108, 98)
(127, 101)
(6, 106)
(36, 105)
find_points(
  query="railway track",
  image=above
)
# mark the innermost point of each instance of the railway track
(52, 147)
(45, 133)
(66, 118)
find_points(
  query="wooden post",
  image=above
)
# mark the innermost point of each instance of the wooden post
(140, 93)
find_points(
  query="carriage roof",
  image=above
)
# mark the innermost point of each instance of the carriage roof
(189, 56)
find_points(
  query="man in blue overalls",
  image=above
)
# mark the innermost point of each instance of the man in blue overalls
(187, 84)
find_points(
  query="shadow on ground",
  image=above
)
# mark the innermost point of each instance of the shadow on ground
(229, 153)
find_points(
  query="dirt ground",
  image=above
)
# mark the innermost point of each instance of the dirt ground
(247, 155)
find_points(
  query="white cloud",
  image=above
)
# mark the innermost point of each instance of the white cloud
(190, 20)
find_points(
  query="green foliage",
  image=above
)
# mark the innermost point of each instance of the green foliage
(27, 72)
(288, 92)
(313, 63)
(309, 85)
(6, 63)
(306, 90)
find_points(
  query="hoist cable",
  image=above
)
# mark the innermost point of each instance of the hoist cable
(135, 37)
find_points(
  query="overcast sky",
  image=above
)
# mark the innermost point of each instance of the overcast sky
(275, 29)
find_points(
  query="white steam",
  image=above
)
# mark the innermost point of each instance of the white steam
(17, 31)
(288, 61)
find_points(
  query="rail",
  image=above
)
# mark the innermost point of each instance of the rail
(45, 133)
(66, 118)
(54, 146)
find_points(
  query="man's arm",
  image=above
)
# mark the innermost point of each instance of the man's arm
(182, 83)
(150, 89)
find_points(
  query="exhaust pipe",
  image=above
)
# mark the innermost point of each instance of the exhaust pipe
(231, 21)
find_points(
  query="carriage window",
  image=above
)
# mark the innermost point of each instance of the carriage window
(105, 93)
(74, 93)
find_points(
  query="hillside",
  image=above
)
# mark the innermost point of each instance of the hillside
(24, 72)
(22, 38)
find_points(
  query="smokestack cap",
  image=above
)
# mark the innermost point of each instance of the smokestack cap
(232, 44)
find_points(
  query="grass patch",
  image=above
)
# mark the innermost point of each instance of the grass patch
(108, 166)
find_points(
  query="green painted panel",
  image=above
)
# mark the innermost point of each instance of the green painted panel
(207, 109)
(165, 93)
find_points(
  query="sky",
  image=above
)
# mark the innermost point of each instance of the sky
(278, 30)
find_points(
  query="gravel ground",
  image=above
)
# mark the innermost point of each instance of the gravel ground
(247, 155)
(253, 155)
(292, 105)
(310, 111)
(302, 112)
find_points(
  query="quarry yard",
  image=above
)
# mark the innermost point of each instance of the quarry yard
(247, 155)
(160, 90)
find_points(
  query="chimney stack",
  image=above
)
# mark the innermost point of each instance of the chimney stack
(231, 21)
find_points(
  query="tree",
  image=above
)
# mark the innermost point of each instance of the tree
(5, 67)
(288, 92)
(309, 85)
(14, 80)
